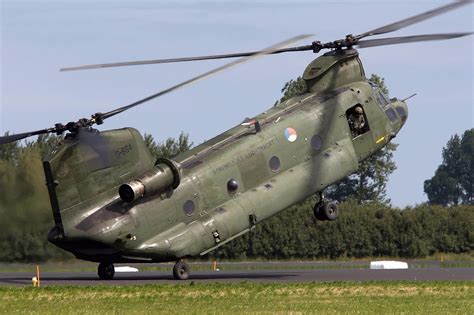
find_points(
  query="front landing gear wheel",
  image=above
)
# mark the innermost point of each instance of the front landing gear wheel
(181, 270)
(327, 210)
(106, 271)
(330, 210)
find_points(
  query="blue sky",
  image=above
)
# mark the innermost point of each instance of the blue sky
(39, 37)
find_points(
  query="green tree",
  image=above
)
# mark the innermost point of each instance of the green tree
(24, 205)
(292, 88)
(368, 230)
(9, 151)
(453, 181)
(170, 148)
(45, 143)
(380, 82)
(370, 181)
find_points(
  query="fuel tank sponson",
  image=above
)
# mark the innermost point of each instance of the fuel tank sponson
(165, 175)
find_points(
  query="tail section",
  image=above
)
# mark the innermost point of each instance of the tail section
(86, 170)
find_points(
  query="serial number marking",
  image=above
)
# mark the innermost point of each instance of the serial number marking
(126, 149)
(243, 157)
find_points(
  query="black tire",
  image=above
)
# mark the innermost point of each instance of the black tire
(318, 213)
(330, 210)
(106, 271)
(181, 270)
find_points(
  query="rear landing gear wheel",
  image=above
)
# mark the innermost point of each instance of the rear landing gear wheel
(181, 270)
(106, 271)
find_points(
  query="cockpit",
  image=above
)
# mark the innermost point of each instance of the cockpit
(395, 109)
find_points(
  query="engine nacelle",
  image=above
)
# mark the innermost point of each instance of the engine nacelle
(164, 176)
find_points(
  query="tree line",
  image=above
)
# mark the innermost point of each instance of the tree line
(368, 230)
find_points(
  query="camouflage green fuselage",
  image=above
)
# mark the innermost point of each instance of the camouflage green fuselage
(301, 146)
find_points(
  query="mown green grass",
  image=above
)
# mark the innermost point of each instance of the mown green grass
(328, 297)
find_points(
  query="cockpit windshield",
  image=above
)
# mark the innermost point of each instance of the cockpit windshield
(373, 85)
(380, 98)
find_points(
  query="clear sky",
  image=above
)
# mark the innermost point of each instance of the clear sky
(39, 37)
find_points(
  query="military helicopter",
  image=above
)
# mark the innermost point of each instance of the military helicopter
(112, 202)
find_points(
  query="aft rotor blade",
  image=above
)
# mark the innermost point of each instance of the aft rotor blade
(409, 39)
(263, 52)
(19, 136)
(414, 19)
(183, 59)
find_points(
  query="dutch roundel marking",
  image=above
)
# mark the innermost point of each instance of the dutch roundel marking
(290, 134)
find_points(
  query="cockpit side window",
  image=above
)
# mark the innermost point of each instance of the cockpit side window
(373, 85)
(391, 114)
(380, 98)
(402, 113)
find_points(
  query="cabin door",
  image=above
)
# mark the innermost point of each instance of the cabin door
(360, 131)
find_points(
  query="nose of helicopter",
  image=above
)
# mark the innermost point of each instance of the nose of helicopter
(402, 110)
(400, 106)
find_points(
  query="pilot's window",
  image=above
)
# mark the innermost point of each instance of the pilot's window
(402, 113)
(357, 120)
(380, 98)
(373, 85)
(391, 114)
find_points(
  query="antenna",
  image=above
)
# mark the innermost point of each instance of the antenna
(403, 100)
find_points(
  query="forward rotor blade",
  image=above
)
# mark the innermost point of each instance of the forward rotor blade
(19, 136)
(183, 59)
(408, 39)
(414, 19)
(266, 51)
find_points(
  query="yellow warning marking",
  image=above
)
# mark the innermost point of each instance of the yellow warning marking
(380, 140)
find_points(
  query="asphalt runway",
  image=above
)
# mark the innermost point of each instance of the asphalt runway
(268, 276)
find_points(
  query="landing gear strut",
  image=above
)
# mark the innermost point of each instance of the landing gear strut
(106, 271)
(181, 270)
(325, 210)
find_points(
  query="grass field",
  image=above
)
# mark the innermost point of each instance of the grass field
(328, 297)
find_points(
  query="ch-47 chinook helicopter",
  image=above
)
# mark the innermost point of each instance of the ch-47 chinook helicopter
(113, 203)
